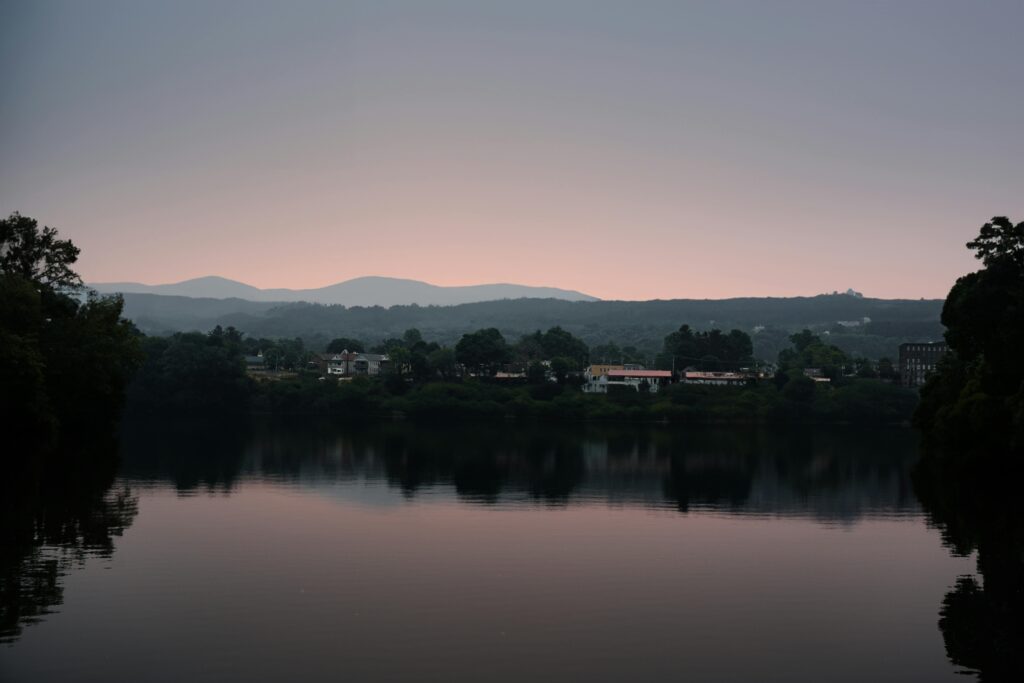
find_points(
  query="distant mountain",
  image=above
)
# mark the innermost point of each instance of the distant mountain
(361, 291)
(859, 325)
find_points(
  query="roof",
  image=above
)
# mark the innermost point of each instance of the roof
(716, 375)
(340, 356)
(640, 373)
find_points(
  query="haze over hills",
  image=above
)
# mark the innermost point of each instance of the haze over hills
(860, 325)
(361, 291)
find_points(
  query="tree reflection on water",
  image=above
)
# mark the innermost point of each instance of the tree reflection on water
(54, 518)
(982, 622)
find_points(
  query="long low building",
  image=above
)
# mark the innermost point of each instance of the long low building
(347, 363)
(634, 379)
(717, 378)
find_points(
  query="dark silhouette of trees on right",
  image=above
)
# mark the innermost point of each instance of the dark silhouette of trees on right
(972, 417)
(974, 404)
(982, 621)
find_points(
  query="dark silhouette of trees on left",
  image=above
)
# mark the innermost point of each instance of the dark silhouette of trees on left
(66, 355)
(51, 522)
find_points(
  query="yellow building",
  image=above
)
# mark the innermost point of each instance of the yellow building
(598, 370)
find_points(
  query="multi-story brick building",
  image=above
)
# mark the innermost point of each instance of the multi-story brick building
(918, 360)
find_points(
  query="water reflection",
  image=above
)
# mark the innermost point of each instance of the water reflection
(527, 551)
(834, 475)
(52, 521)
(982, 622)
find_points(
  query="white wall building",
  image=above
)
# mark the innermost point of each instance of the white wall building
(599, 383)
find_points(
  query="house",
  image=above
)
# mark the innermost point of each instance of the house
(635, 379)
(918, 360)
(347, 363)
(816, 374)
(600, 369)
(722, 379)
(336, 364)
(369, 364)
(255, 363)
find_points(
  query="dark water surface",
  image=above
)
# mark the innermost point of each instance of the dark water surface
(311, 552)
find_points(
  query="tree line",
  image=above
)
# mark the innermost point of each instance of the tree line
(69, 357)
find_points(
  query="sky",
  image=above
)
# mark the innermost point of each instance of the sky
(630, 150)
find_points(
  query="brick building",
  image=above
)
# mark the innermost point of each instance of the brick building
(918, 360)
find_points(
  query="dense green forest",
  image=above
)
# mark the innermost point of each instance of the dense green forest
(972, 417)
(65, 357)
(202, 374)
(69, 360)
(974, 404)
(873, 328)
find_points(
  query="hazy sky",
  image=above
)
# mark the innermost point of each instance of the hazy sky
(627, 149)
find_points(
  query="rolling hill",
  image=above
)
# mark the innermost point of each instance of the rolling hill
(865, 326)
(362, 291)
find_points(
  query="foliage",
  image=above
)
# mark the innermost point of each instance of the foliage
(711, 350)
(192, 373)
(809, 351)
(64, 361)
(345, 344)
(616, 331)
(974, 404)
(37, 255)
(555, 343)
(483, 352)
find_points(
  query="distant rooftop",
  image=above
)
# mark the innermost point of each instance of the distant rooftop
(640, 373)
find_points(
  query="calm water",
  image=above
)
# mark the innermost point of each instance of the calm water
(308, 552)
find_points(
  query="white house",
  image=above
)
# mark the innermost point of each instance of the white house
(346, 363)
(722, 379)
(599, 383)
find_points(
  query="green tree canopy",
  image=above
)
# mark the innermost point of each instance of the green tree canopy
(64, 362)
(711, 350)
(975, 402)
(552, 344)
(483, 352)
(35, 255)
(345, 344)
(809, 351)
(1000, 241)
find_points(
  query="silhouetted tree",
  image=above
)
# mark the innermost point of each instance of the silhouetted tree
(64, 362)
(975, 402)
(711, 350)
(345, 344)
(35, 255)
(483, 351)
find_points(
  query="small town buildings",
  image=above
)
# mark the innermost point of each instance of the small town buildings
(506, 375)
(348, 363)
(634, 379)
(918, 360)
(816, 374)
(601, 369)
(255, 363)
(717, 378)
(370, 364)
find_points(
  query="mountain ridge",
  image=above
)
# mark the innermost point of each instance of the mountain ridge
(859, 325)
(370, 290)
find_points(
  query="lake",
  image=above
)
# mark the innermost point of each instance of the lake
(396, 552)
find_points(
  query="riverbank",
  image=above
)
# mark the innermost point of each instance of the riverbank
(855, 401)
